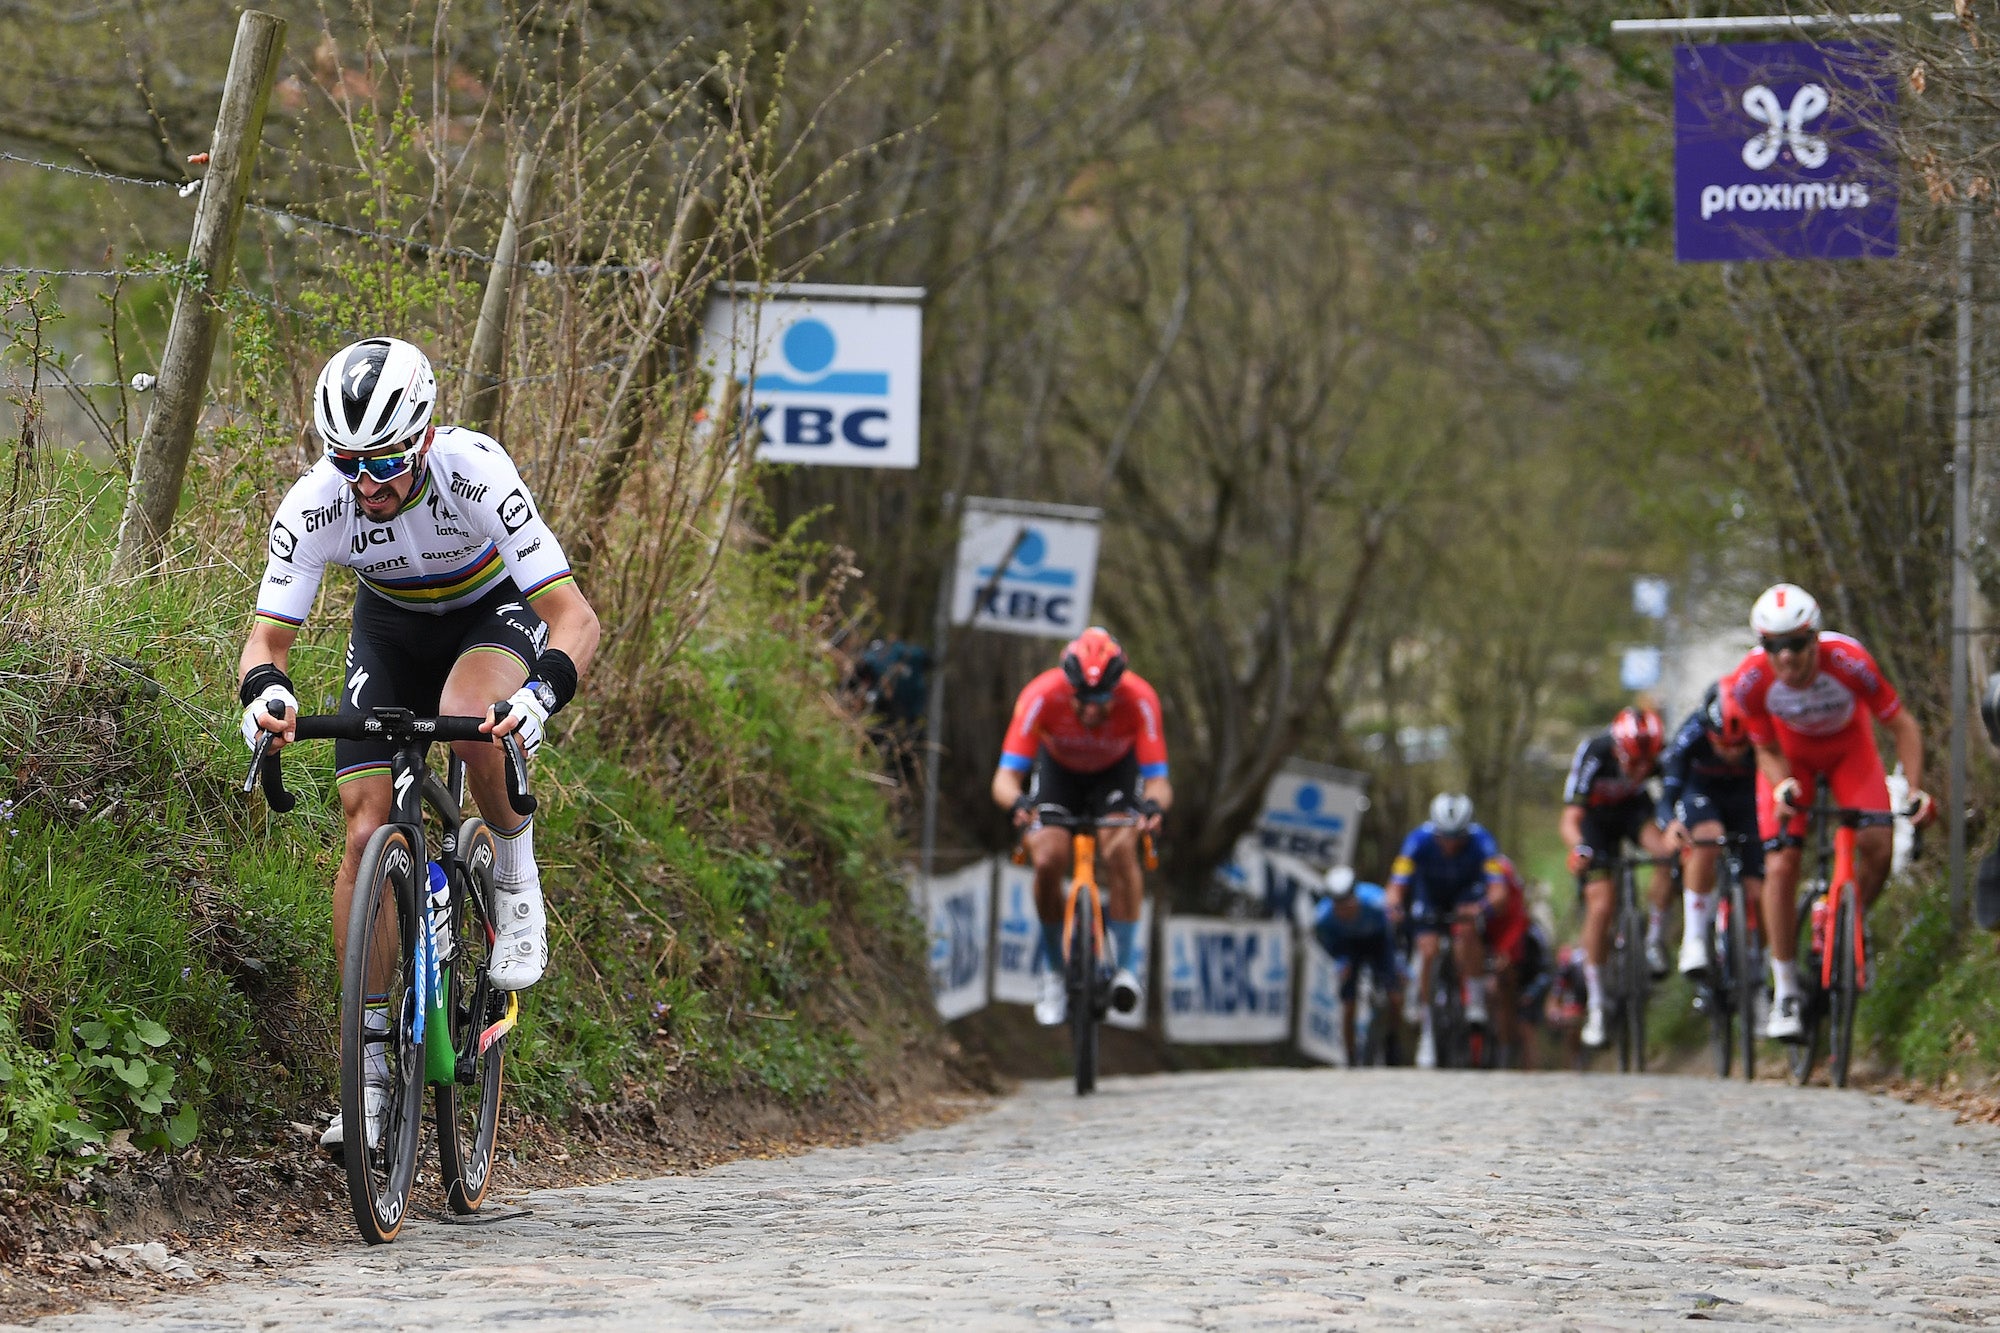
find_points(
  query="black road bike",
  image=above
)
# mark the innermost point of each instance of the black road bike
(423, 956)
(1736, 966)
(1628, 981)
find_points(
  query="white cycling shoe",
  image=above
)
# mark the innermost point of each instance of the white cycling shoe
(375, 1098)
(521, 951)
(1784, 1023)
(1052, 1005)
(1126, 992)
(1694, 955)
(1593, 1027)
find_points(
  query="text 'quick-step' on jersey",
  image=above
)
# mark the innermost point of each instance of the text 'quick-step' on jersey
(470, 523)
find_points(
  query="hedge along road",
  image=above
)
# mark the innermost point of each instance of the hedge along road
(1279, 1198)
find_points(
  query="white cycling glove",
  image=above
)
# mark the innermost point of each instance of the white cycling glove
(526, 704)
(1786, 795)
(260, 707)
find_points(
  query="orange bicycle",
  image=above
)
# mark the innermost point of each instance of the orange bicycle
(1086, 966)
(1833, 953)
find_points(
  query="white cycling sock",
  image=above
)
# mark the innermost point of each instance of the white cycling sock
(1656, 925)
(375, 1060)
(1784, 980)
(1475, 995)
(1594, 984)
(515, 861)
(1699, 909)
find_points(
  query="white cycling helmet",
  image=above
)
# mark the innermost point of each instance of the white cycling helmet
(1339, 883)
(1785, 608)
(1451, 813)
(373, 394)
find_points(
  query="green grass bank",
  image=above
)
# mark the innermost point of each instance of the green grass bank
(726, 912)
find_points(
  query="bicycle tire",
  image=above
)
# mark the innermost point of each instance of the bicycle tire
(1447, 1010)
(1639, 982)
(1746, 975)
(1618, 975)
(468, 1108)
(1802, 1056)
(379, 1178)
(1719, 995)
(1082, 997)
(1843, 997)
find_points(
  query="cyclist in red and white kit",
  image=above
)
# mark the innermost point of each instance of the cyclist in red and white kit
(1089, 731)
(1806, 698)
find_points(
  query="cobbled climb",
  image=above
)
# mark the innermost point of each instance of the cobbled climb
(1385, 1199)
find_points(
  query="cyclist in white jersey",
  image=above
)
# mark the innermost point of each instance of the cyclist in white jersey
(465, 597)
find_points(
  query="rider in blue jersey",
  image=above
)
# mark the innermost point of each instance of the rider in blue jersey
(1448, 868)
(1351, 923)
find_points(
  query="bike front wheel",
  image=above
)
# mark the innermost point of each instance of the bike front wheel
(1721, 994)
(380, 973)
(1802, 1055)
(1083, 997)
(1844, 994)
(1746, 974)
(468, 1107)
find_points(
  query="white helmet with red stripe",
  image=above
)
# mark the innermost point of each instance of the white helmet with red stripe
(1785, 608)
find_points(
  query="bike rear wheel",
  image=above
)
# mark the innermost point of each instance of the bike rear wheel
(468, 1108)
(1082, 997)
(382, 926)
(1844, 995)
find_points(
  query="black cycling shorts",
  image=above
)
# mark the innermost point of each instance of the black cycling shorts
(1734, 806)
(398, 658)
(1101, 793)
(1607, 828)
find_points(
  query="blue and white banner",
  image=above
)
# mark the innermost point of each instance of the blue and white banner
(829, 373)
(1025, 568)
(960, 913)
(1319, 1006)
(1311, 812)
(1017, 949)
(1227, 981)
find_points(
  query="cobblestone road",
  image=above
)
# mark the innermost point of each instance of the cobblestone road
(1231, 1201)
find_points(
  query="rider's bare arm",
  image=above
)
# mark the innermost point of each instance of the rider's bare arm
(1772, 764)
(572, 623)
(1006, 788)
(267, 643)
(1909, 740)
(1571, 826)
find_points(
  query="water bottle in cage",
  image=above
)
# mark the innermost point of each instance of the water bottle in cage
(440, 914)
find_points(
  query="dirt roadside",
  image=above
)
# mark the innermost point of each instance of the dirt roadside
(141, 1228)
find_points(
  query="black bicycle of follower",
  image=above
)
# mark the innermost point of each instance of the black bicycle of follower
(448, 1024)
(1735, 975)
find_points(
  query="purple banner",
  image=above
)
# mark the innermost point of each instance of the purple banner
(1780, 152)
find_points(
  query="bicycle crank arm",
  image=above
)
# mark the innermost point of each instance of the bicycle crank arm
(504, 1026)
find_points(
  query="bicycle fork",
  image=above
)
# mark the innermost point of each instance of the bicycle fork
(1826, 930)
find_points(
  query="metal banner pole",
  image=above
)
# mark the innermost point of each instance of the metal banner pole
(934, 718)
(1961, 562)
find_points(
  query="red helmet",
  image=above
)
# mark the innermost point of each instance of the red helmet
(1636, 734)
(1094, 664)
(1721, 716)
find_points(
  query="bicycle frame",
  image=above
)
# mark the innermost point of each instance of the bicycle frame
(1082, 879)
(1841, 881)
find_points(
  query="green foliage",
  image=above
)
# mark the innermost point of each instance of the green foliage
(1934, 1008)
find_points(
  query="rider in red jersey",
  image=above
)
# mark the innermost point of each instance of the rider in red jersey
(1806, 698)
(1089, 732)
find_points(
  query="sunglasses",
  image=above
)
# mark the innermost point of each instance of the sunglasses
(382, 467)
(1791, 643)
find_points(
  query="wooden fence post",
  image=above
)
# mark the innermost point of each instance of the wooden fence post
(161, 464)
(481, 392)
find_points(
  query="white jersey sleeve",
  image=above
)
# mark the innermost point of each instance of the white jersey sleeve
(298, 550)
(487, 488)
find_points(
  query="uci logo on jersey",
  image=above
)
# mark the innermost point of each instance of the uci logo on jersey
(367, 537)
